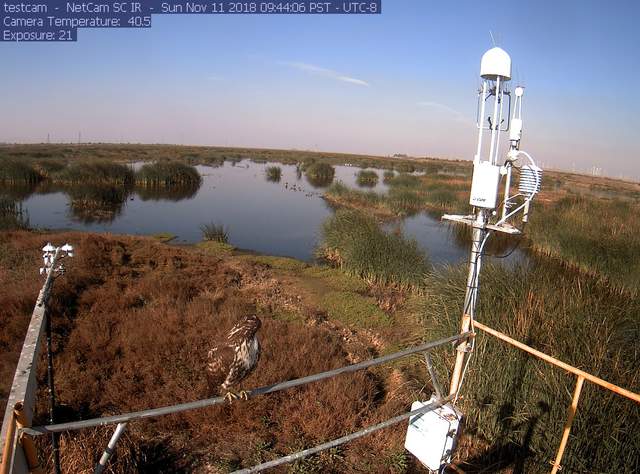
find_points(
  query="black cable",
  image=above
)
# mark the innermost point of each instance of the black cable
(513, 249)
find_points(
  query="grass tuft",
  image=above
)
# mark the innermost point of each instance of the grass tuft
(168, 173)
(606, 246)
(273, 173)
(357, 244)
(319, 174)
(96, 172)
(215, 232)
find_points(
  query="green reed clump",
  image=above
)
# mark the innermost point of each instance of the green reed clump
(404, 201)
(215, 232)
(168, 173)
(519, 410)
(98, 172)
(319, 173)
(15, 171)
(608, 244)
(357, 244)
(96, 203)
(367, 178)
(273, 173)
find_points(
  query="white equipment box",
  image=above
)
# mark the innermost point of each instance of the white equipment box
(431, 436)
(484, 186)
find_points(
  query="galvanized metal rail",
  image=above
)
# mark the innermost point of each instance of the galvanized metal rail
(21, 400)
(167, 410)
(345, 439)
(123, 419)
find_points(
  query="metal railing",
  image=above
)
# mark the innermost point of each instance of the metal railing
(581, 377)
(21, 400)
(24, 431)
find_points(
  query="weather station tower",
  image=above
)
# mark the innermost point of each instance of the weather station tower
(499, 112)
(497, 207)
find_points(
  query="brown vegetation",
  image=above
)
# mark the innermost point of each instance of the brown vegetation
(133, 320)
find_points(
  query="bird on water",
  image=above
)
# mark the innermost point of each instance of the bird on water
(232, 361)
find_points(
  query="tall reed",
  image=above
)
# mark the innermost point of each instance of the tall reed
(16, 171)
(357, 244)
(167, 173)
(96, 172)
(517, 404)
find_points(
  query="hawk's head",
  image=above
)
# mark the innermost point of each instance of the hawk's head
(246, 328)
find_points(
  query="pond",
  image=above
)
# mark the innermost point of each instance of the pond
(270, 217)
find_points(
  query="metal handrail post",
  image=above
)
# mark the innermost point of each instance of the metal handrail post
(567, 426)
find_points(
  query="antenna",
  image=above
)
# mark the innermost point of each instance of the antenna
(493, 41)
(497, 113)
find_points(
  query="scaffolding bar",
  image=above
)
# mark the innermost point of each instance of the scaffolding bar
(345, 439)
(167, 410)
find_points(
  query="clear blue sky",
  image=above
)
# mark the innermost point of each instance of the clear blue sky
(400, 82)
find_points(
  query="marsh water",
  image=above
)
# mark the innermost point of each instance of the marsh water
(271, 217)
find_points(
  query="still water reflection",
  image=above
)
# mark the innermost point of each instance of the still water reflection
(267, 216)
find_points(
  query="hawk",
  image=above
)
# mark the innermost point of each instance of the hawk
(229, 363)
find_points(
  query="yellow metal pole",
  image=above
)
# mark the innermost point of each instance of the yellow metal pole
(7, 452)
(567, 426)
(558, 363)
(28, 446)
(460, 356)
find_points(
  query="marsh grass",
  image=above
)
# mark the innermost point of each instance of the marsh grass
(599, 236)
(12, 216)
(388, 176)
(370, 201)
(168, 173)
(519, 409)
(408, 194)
(405, 167)
(273, 173)
(16, 171)
(354, 309)
(319, 174)
(404, 202)
(357, 244)
(96, 203)
(367, 178)
(95, 172)
(215, 232)
(49, 168)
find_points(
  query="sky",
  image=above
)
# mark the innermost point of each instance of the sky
(404, 81)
